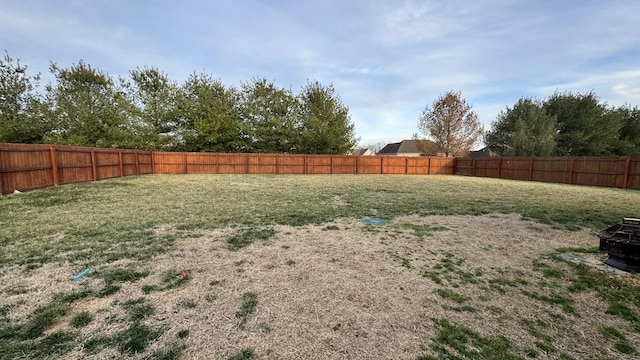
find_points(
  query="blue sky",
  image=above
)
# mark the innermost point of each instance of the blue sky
(386, 59)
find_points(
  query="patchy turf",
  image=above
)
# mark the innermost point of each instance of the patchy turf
(241, 267)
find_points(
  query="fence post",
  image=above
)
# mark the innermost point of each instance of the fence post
(153, 162)
(304, 165)
(1, 173)
(473, 169)
(54, 165)
(137, 164)
(185, 162)
(406, 165)
(331, 164)
(571, 169)
(357, 170)
(277, 165)
(627, 172)
(94, 169)
(381, 165)
(121, 165)
(429, 166)
(500, 167)
(531, 169)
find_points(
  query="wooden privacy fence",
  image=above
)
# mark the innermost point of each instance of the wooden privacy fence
(620, 172)
(215, 163)
(27, 167)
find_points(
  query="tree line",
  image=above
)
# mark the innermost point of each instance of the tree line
(565, 124)
(85, 106)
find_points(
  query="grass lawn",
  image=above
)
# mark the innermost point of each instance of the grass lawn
(282, 267)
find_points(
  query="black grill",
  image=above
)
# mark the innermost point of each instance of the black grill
(622, 243)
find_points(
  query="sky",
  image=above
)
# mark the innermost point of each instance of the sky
(387, 59)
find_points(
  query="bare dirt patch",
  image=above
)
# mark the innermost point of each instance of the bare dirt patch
(346, 290)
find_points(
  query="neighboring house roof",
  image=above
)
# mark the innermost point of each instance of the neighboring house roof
(362, 152)
(482, 153)
(409, 147)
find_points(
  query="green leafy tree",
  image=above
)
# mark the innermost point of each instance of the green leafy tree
(21, 108)
(209, 116)
(325, 123)
(87, 109)
(153, 117)
(270, 117)
(524, 130)
(451, 124)
(630, 131)
(585, 126)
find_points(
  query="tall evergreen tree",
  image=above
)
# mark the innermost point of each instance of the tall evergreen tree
(209, 116)
(21, 108)
(87, 109)
(524, 130)
(585, 126)
(325, 124)
(630, 131)
(269, 116)
(153, 116)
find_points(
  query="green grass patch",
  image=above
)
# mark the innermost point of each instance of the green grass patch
(138, 309)
(265, 328)
(499, 284)
(553, 273)
(554, 299)
(403, 260)
(136, 338)
(120, 275)
(248, 307)
(216, 282)
(453, 341)
(244, 354)
(247, 237)
(331, 227)
(43, 318)
(81, 319)
(449, 270)
(27, 338)
(109, 289)
(622, 344)
(623, 311)
(451, 295)
(623, 299)
(538, 330)
(170, 279)
(170, 352)
(99, 222)
(422, 231)
(188, 304)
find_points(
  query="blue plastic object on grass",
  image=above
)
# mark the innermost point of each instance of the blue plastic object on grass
(79, 276)
(373, 221)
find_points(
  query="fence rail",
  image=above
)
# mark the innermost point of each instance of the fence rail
(216, 163)
(26, 167)
(621, 172)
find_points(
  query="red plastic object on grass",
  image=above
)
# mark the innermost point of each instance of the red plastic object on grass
(183, 273)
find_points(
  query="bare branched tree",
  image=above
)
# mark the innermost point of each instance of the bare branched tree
(451, 124)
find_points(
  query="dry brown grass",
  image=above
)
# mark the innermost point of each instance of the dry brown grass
(341, 294)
